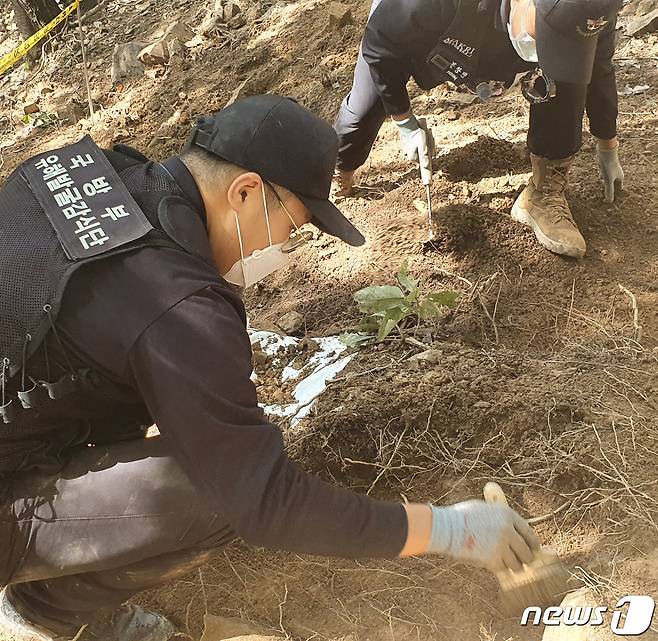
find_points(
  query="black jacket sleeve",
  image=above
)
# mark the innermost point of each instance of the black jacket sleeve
(192, 366)
(398, 36)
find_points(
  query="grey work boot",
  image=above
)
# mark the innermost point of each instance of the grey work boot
(128, 623)
(543, 206)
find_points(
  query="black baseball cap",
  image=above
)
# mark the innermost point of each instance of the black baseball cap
(285, 144)
(567, 32)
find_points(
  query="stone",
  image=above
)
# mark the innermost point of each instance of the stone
(451, 115)
(429, 356)
(482, 405)
(32, 108)
(73, 112)
(629, 8)
(175, 48)
(291, 322)
(236, 22)
(230, 10)
(178, 30)
(460, 99)
(259, 359)
(646, 6)
(155, 54)
(645, 24)
(218, 628)
(340, 15)
(307, 344)
(125, 61)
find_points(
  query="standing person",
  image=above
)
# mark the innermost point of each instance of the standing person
(568, 44)
(117, 311)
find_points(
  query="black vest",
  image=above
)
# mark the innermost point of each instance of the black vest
(472, 50)
(41, 415)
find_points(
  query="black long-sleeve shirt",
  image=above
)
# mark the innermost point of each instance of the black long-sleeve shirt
(400, 34)
(191, 368)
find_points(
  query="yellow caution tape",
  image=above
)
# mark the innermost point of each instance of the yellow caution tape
(12, 58)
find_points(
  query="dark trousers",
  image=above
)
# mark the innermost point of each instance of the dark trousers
(117, 520)
(555, 129)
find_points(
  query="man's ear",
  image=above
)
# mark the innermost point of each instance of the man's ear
(244, 187)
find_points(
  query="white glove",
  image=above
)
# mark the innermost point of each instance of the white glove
(490, 535)
(413, 139)
(611, 172)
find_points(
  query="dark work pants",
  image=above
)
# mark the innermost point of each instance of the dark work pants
(555, 129)
(117, 520)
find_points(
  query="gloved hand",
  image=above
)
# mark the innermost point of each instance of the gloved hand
(611, 171)
(490, 535)
(413, 138)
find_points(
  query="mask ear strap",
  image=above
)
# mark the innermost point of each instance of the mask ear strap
(292, 220)
(525, 15)
(267, 215)
(237, 223)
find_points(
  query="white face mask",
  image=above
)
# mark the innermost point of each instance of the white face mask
(524, 44)
(261, 263)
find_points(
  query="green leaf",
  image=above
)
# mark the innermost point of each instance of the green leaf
(378, 298)
(369, 324)
(428, 309)
(410, 285)
(390, 322)
(377, 292)
(447, 298)
(356, 340)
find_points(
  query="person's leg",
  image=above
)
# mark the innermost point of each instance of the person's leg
(554, 136)
(360, 118)
(602, 102)
(555, 130)
(117, 520)
(358, 122)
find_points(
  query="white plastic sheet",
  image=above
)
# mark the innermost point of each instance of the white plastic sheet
(312, 378)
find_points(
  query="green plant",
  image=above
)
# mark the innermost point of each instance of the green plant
(387, 307)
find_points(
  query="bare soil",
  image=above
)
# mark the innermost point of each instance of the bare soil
(543, 377)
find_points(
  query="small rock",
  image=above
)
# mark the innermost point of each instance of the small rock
(155, 54)
(431, 356)
(340, 15)
(71, 112)
(291, 322)
(482, 405)
(230, 10)
(461, 99)
(307, 344)
(451, 115)
(259, 360)
(32, 108)
(125, 61)
(646, 6)
(628, 9)
(175, 48)
(643, 25)
(178, 30)
(218, 627)
(236, 22)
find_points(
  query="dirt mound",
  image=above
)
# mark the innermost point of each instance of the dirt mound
(485, 157)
